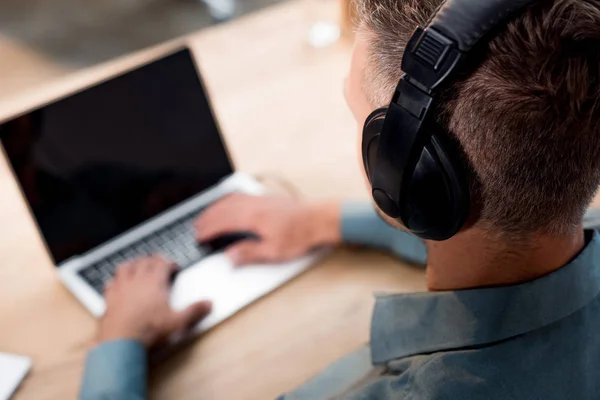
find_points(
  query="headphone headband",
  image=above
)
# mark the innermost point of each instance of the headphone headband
(467, 21)
(434, 52)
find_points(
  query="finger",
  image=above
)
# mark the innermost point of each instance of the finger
(164, 269)
(158, 259)
(149, 265)
(250, 251)
(109, 287)
(143, 267)
(225, 216)
(193, 314)
(124, 270)
(216, 210)
(136, 269)
(221, 223)
(157, 262)
(157, 270)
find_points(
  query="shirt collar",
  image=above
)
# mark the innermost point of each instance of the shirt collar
(409, 324)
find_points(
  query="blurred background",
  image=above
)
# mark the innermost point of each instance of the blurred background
(43, 39)
(251, 53)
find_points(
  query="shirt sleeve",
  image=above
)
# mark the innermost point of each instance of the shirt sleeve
(115, 370)
(361, 225)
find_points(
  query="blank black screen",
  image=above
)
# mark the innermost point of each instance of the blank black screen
(102, 161)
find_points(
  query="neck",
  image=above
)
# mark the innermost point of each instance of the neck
(472, 259)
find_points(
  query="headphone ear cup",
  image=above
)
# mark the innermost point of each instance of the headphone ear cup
(438, 200)
(370, 140)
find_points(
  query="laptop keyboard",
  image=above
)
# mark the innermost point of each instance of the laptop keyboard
(175, 242)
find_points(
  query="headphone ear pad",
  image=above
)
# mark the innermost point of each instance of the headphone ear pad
(437, 202)
(370, 140)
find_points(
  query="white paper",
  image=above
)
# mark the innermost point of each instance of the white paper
(13, 369)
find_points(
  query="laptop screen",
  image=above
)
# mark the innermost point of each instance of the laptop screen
(104, 160)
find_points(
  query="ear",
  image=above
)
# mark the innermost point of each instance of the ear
(356, 85)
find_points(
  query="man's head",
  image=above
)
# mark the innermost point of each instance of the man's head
(528, 118)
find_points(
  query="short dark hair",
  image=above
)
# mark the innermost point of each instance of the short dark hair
(528, 117)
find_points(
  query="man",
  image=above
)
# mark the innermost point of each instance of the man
(514, 300)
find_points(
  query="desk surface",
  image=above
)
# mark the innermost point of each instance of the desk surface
(281, 107)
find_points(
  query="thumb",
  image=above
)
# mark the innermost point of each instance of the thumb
(247, 252)
(193, 314)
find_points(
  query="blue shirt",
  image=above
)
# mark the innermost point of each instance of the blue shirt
(535, 340)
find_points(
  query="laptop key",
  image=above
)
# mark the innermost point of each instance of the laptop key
(99, 288)
(118, 260)
(130, 254)
(143, 248)
(90, 273)
(106, 276)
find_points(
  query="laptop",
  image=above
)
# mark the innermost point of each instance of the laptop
(121, 170)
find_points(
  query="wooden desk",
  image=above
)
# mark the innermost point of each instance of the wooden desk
(280, 104)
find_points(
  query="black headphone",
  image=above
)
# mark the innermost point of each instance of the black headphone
(416, 171)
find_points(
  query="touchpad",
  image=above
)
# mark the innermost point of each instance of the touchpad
(216, 278)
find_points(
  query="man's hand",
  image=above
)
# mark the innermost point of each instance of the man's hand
(286, 227)
(137, 304)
